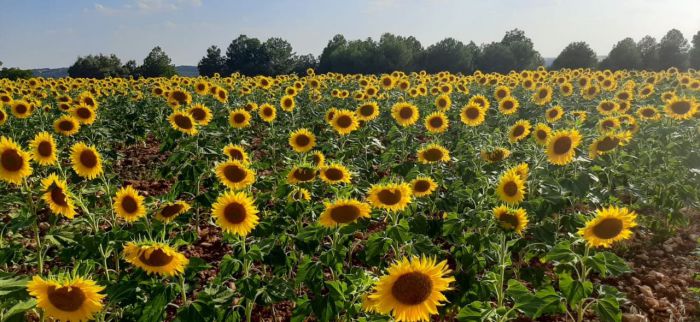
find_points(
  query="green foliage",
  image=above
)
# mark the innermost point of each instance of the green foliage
(694, 53)
(624, 55)
(212, 63)
(673, 50)
(576, 55)
(156, 64)
(15, 73)
(96, 66)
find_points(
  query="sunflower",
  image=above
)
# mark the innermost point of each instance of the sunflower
(302, 140)
(235, 213)
(21, 109)
(681, 108)
(344, 122)
(443, 102)
(406, 114)
(300, 174)
(43, 149)
(561, 146)
(87, 99)
(128, 204)
(649, 113)
(183, 122)
(511, 187)
(412, 290)
(180, 97)
(472, 115)
(607, 143)
(541, 133)
(14, 162)
(201, 114)
(343, 212)
(519, 131)
(481, 101)
(391, 196)
(67, 299)
(554, 114)
(171, 210)
(201, 87)
(608, 123)
(287, 103)
(581, 116)
(66, 125)
(299, 194)
(423, 186)
(318, 158)
(239, 118)
(57, 196)
(3, 115)
(501, 92)
(433, 153)
(234, 174)
(220, 95)
(511, 219)
(607, 107)
(86, 161)
(236, 152)
(367, 111)
(508, 105)
(495, 155)
(436, 122)
(610, 225)
(523, 170)
(154, 257)
(542, 95)
(84, 114)
(267, 113)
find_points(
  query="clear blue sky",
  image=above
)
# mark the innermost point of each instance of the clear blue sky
(52, 33)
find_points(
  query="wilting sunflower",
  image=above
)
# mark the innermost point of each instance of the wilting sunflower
(541, 133)
(128, 204)
(66, 125)
(412, 289)
(21, 109)
(169, 211)
(330, 115)
(86, 161)
(267, 113)
(201, 114)
(511, 219)
(3, 115)
(84, 114)
(648, 113)
(608, 143)
(610, 225)
(436, 122)
(43, 149)
(511, 187)
(554, 114)
(300, 174)
(367, 111)
(287, 103)
(234, 174)
(299, 194)
(57, 196)
(239, 118)
(14, 162)
(472, 115)
(391, 196)
(183, 122)
(154, 257)
(343, 212)
(561, 146)
(344, 122)
(542, 95)
(406, 114)
(334, 173)
(443, 102)
(235, 213)
(302, 140)
(318, 159)
(519, 131)
(236, 152)
(433, 153)
(681, 108)
(495, 155)
(423, 186)
(508, 105)
(67, 299)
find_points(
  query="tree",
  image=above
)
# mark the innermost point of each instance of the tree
(514, 52)
(211, 63)
(694, 54)
(245, 55)
(302, 63)
(450, 55)
(576, 55)
(673, 50)
(326, 62)
(648, 50)
(96, 66)
(15, 73)
(624, 55)
(157, 64)
(398, 53)
(277, 56)
(130, 68)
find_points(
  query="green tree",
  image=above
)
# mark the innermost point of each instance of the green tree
(648, 50)
(576, 55)
(277, 56)
(624, 55)
(157, 64)
(450, 55)
(522, 48)
(302, 63)
(496, 57)
(694, 54)
(398, 53)
(212, 63)
(326, 61)
(246, 56)
(15, 73)
(96, 66)
(673, 50)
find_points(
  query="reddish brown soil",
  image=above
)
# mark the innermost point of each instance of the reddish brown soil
(136, 165)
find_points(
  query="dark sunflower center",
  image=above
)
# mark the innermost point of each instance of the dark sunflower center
(436, 122)
(496, 155)
(344, 121)
(183, 122)
(591, 90)
(608, 123)
(608, 228)
(648, 112)
(412, 288)
(66, 298)
(553, 113)
(510, 188)
(406, 113)
(235, 154)
(509, 220)
(421, 186)
(541, 134)
(267, 112)
(11, 160)
(65, 125)
(83, 113)
(507, 105)
(607, 144)
(518, 131)
(433, 154)
(157, 258)
(238, 118)
(44, 148)
(562, 145)
(500, 93)
(198, 114)
(89, 101)
(2, 116)
(389, 197)
(345, 213)
(221, 94)
(58, 196)
(129, 204)
(442, 102)
(170, 210)
(681, 107)
(88, 159)
(304, 174)
(180, 97)
(287, 103)
(201, 87)
(235, 213)
(367, 110)
(542, 94)
(472, 113)
(21, 108)
(234, 173)
(302, 140)
(623, 96)
(334, 174)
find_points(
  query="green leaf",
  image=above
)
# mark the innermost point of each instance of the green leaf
(608, 309)
(561, 253)
(18, 308)
(608, 263)
(573, 290)
(154, 308)
(476, 311)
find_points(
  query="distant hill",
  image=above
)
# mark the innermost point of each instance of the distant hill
(187, 71)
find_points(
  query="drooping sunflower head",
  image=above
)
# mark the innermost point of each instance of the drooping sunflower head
(541, 133)
(155, 258)
(511, 219)
(432, 153)
(523, 170)
(412, 289)
(169, 211)
(343, 212)
(508, 105)
(267, 113)
(43, 149)
(610, 225)
(201, 114)
(57, 196)
(561, 146)
(184, 122)
(235, 213)
(423, 186)
(607, 143)
(66, 125)
(511, 187)
(67, 299)
(301, 174)
(299, 194)
(128, 204)
(236, 152)
(344, 122)
(14, 162)
(367, 111)
(406, 114)
(554, 114)
(86, 161)
(581, 116)
(302, 140)
(681, 108)
(318, 159)
(519, 131)
(390, 196)
(235, 174)
(495, 155)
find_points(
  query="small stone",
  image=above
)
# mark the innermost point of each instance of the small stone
(651, 302)
(631, 317)
(643, 257)
(646, 290)
(635, 280)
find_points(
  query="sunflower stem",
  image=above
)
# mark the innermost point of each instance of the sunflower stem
(30, 203)
(109, 196)
(183, 292)
(503, 252)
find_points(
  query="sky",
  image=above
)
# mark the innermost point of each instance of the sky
(53, 33)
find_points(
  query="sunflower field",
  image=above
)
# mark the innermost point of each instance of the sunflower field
(396, 197)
